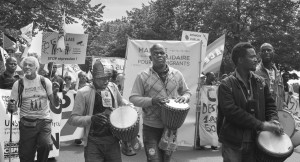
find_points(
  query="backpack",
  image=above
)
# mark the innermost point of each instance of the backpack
(21, 88)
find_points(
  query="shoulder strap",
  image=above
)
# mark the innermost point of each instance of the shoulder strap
(20, 91)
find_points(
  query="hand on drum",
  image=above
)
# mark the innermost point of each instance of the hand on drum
(181, 99)
(159, 101)
(272, 127)
(99, 119)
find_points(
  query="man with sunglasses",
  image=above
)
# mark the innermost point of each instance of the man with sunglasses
(9, 76)
(153, 88)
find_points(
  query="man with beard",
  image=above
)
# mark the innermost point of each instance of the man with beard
(245, 106)
(32, 95)
(93, 104)
(267, 69)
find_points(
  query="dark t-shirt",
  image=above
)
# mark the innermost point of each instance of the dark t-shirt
(95, 130)
(7, 82)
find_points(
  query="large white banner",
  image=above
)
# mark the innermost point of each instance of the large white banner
(5, 127)
(69, 132)
(184, 56)
(208, 116)
(74, 53)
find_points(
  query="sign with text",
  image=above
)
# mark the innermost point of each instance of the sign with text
(197, 36)
(183, 56)
(208, 116)
(74, 53)
(115, 63)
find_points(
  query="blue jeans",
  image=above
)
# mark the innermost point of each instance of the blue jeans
(95, 151)
(244, 154)
(151, 137)
(35, 139)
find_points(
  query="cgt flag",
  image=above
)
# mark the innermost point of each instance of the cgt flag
(27, 33)
(214, 55)
(61, 35)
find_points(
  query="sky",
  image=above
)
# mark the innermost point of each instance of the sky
(114, 9)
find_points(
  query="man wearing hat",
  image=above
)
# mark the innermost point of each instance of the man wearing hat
(93, 104)
(267, 69)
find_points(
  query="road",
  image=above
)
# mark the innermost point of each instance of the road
(70, 152)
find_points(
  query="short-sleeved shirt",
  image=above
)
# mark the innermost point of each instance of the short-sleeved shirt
(35, 104)
(7, 81)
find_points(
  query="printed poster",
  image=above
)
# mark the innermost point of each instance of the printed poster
(74, 53)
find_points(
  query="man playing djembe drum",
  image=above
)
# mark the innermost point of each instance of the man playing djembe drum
(93, 104)
(152, 89)
(245, 107)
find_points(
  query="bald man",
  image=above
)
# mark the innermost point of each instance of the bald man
(267, 69)
(9, 76)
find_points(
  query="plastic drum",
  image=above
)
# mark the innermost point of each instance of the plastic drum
(272, 147)
(173, 114)
(287, 121)
(124, 123)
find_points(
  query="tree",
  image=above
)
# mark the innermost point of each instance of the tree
(47, 14)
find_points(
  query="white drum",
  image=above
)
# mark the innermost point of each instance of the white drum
(124, 123)
(287, 121)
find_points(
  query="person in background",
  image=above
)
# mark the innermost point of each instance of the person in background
(53, 77)
(83, 80)
(152, 88)
(245, 107)
(91, 112)
(9, 76)
(288, 89)
(68, 84)
(267, 69)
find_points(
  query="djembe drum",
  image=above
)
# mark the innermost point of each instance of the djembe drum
(124, 123)
(272, 147)
(173, 115)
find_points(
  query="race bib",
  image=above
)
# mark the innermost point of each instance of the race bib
(106, 98)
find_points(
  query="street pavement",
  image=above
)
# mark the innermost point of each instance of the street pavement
(69, 152)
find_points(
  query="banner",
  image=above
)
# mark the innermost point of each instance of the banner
(197, 36)
(183, 56)
(5, 127)
(214, 55)
(208, 116)
(69, 132)
(115, 63)
(75, 50)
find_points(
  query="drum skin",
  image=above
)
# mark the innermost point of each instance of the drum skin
(173, 114)
(287, 121)
(124, 123)
(272, 147)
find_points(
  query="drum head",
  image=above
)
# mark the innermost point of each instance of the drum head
(177, 105)
(123, 117)
(276, 145)
(287, 121)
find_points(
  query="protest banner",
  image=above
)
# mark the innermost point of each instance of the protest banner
(183, 56)
(208, 116)
(5, 126)
(115, 63)
(68, 132)
(75, 50)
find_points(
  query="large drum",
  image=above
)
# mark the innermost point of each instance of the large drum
(287, 121)
(124, 123)
(272, 147)
(173, 114)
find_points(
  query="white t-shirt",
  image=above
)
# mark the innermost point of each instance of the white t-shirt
(35, 102)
